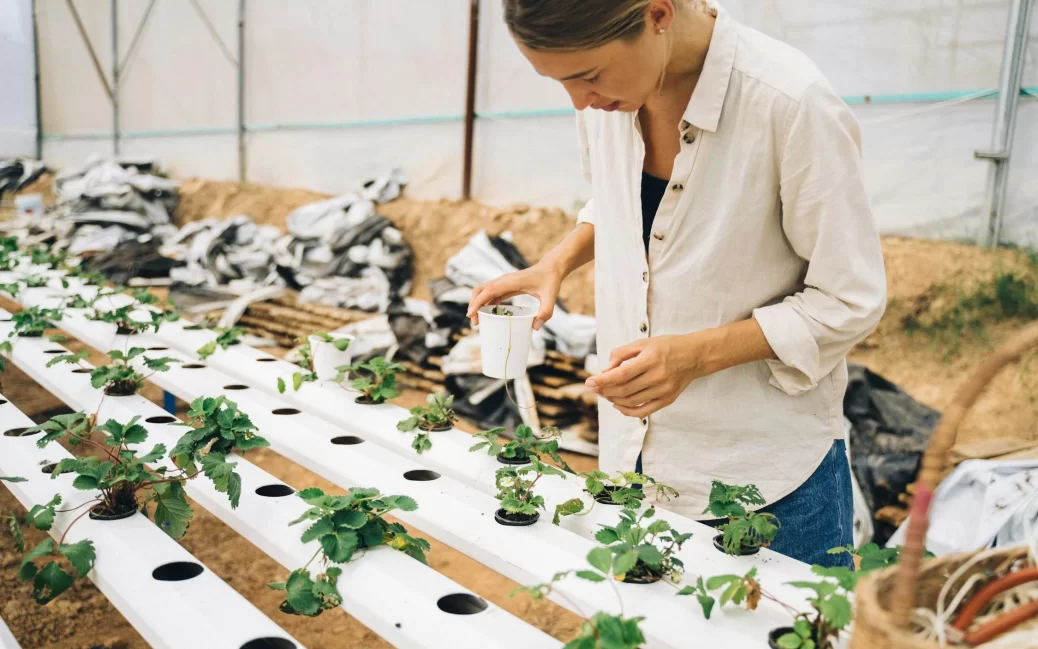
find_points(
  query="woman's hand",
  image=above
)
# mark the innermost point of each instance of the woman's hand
(651, 373)
(542, 280)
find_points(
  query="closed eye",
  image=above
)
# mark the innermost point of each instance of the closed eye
(593, 79)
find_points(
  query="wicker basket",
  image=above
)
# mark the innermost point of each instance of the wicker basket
(886, 598)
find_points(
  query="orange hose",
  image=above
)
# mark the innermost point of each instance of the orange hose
(1001, 624)
(977, 603)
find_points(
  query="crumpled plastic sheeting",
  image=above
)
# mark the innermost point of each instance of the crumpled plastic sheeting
(890, 431)
(219, 251)
(16, 173)
(481, 260)
(982, 503)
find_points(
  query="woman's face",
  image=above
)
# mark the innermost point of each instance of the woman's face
(617, 76)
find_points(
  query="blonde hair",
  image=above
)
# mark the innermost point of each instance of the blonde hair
(568, 25)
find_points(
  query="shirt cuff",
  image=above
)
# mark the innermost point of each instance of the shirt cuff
(586, 214)
(796, 370)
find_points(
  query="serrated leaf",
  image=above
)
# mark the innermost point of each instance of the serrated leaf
(317, 530)
(51, 582)
(172, 512)
(623, 563)
(28, 569)
(650, 555)
(154, 455)
(406, 503)
(312, 495)
(836, 609)
(406, 425)
(42, 516)
(81, 555)
(606, 536)
(85, 482)
(299, 593)
(340, 546)
(600, 559)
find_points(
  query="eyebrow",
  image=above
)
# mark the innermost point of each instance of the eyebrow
(578, 75)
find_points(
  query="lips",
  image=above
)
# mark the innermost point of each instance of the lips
(611, 107)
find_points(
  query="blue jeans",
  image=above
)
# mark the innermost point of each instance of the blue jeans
(818, 515)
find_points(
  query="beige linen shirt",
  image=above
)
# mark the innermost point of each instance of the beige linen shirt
(765, 216)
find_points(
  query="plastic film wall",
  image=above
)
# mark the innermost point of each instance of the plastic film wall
(338, 90)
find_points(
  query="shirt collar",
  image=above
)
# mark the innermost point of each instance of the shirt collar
(704, 108)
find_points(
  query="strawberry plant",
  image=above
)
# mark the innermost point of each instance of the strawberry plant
(524, 446)
(126, 324)
(119, 378)
(831, 610)
(653, 544)
(11, 289)
(344, 526)
(626, 489)
(745, 531)
(738, 590)
(8, 253)
(379, 384)
(225, 339)
(307, 361)
(515, 485)
(436, 415)
(33, 321)
(601, 630)
(218, 428)
(35, 281)
(500, 310)
(46, 256)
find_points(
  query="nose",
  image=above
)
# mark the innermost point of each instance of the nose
(580, 98)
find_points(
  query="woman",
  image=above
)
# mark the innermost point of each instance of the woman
(736, 257)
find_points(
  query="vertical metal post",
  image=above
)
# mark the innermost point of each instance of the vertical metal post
(39, 98)
(241, 91)
(115, 76)
(470, 101)
(1005, 118)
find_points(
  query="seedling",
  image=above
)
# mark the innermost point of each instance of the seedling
(35, 281)
(11, 289)
(380, 385)
(307, 362)
(746, 531)
(119, 378)
(44, 256)
(653, 545)
(626, 489)
(436, 416)
(8, 245)
(522, 447)
(500, 310)
(217, 425)
(344, 526)
(601, 630)
(874, 557)
(831, 613)
(33, 321)
(738, 590)
(225, 339)
(519, 503)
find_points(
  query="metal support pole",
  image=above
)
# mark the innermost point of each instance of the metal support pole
(1005, 118)
(39, 98)
(242, 161)
(115, 76)
(470, 100)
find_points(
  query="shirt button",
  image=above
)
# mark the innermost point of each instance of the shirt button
(645, 276)
(645, 421)
(643, 327)
(689, 138)
(677, 187)
(685, 125)
(657, 236)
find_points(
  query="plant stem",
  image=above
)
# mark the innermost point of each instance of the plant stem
(62, 539)
(62, 511)
(307, 566)
(180, 478)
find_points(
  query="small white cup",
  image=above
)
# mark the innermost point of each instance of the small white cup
(505, 338)
(327, 358)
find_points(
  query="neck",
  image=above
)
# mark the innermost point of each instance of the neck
(691, 34)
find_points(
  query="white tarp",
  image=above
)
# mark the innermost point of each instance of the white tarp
(17, 69)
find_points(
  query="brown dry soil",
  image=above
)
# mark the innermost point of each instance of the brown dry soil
(924, 278)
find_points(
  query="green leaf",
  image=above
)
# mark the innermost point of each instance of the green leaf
(342, 344)
(81, 555)
(650, 555)
(802, 628)
(589, 575)
(85, 482)
(600, 559)
(42, 516)
(836, 609)
(207, 350)
(300, 595)
(658, 526)
(706, 602)
(51, 582)
(340, 546)
(789, 641)
(625, 562)
(311, 495)
(4, 478)
(172, 512)
(16, 532)
(607, 536)
(317, 530)
(297, 381)
(28, 568)
(154, 455)
(281, 385)
(406, 425)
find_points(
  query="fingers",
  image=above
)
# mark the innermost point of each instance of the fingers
(544, 314)
(490, 293)
(621, 354)
(618, 376)
(632, 389)
(645, 409)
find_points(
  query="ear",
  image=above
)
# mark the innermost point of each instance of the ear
(660, 15)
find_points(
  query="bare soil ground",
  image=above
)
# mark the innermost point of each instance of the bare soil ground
(927, 280)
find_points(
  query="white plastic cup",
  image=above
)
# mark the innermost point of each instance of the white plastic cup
(327, 358)
(504, 341)
(28, 205)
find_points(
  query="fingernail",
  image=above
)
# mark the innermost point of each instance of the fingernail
(590, 384)
(537, 324)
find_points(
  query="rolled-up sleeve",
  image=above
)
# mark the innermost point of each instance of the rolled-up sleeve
(827, 220)
(587, 212)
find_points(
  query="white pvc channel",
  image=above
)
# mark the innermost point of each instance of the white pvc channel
(155, 583)
(407, 603)
(7, 639)
(451, 511)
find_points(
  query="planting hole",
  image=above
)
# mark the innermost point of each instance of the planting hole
(421, 475)
(80, 370)
(193, 366)
(269, 643)
(177, 571)
(236, 386)
(20, 432)
(5, 319)
(461, 604)
(193, 328)
(157, 349)
(275, 490)
(347, 440)
(285, 411)
(54, 351)
(2, 401)
(265, 360)
(161, 419)
(49, 468)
